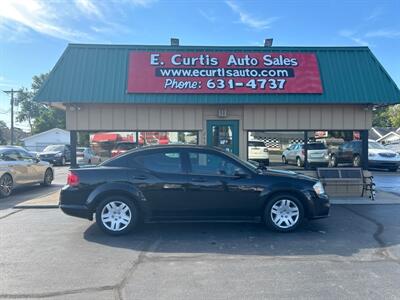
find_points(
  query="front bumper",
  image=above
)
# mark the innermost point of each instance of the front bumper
(383, 163)
(319, 206)
(52, 160)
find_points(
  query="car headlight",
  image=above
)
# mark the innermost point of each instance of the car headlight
(58, 154)
(319, 188)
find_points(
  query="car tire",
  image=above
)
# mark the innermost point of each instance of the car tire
(299, 163)
(89, 162)
(284, 213)
(333, 161)
(48, 177)
(6, 185)
(284, 160)
(117, 215)
(356, 161)
(393, 169)
(63, 161)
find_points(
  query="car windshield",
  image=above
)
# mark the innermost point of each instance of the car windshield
(375, 145)
(54, 148)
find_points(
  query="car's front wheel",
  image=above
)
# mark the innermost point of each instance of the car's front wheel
(117, 215)
(284, 213)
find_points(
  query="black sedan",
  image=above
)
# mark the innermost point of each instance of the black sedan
(189, 183)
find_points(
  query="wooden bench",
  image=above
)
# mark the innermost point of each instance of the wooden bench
(346, 181)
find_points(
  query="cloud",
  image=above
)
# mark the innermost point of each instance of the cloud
(143, 3)
(207, 15)
(249, 20)
(391, 34)
(39, 16)
(88, 8)
(375, 14)
(353, 36)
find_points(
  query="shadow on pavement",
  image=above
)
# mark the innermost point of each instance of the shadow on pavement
(345, 233)
(26, 193)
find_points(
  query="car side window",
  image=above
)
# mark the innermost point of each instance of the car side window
(211, 164)
(25, 156)
(162, 162)
(9, 156)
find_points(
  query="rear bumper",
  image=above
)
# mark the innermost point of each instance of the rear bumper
(77, 211)
(71, 203)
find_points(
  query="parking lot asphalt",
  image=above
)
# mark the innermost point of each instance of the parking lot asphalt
(355, 253)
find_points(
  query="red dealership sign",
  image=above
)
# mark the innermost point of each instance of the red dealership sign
(223, 73)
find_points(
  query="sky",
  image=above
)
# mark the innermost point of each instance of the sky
(34, 33)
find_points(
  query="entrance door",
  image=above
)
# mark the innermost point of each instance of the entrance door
(224, 134)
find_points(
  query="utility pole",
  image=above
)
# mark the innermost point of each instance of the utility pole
(12, 114)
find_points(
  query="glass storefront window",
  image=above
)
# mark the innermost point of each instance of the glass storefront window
(342, 148)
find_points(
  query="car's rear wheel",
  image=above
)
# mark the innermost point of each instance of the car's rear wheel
(6, 185)
(117, 215)
(48, 178)
(284, 213)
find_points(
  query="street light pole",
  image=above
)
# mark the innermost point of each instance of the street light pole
(12, 114)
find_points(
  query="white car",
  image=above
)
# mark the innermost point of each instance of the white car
(86, 156)
(258, 152)
(18, 167)
(381, 157)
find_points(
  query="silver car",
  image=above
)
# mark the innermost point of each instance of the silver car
(317, 154)
(18, 167)
(86, 156)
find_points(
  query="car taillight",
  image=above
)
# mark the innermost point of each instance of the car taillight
(72, 179)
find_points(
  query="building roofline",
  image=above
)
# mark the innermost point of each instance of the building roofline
(41, 133)
(208, 47)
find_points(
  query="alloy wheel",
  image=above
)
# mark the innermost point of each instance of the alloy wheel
(6, 185)
(116, 216)
(356, 161)
(285, 213)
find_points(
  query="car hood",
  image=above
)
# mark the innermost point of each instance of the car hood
(288, 174)
(50, 153)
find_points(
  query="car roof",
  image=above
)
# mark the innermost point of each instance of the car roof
(174, 146)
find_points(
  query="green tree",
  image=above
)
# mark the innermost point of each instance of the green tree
(381, 117)
(40, 117)
(4, 132)
(49, 118)
(394, 115)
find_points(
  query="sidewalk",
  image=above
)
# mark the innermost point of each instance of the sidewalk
(48, 201)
